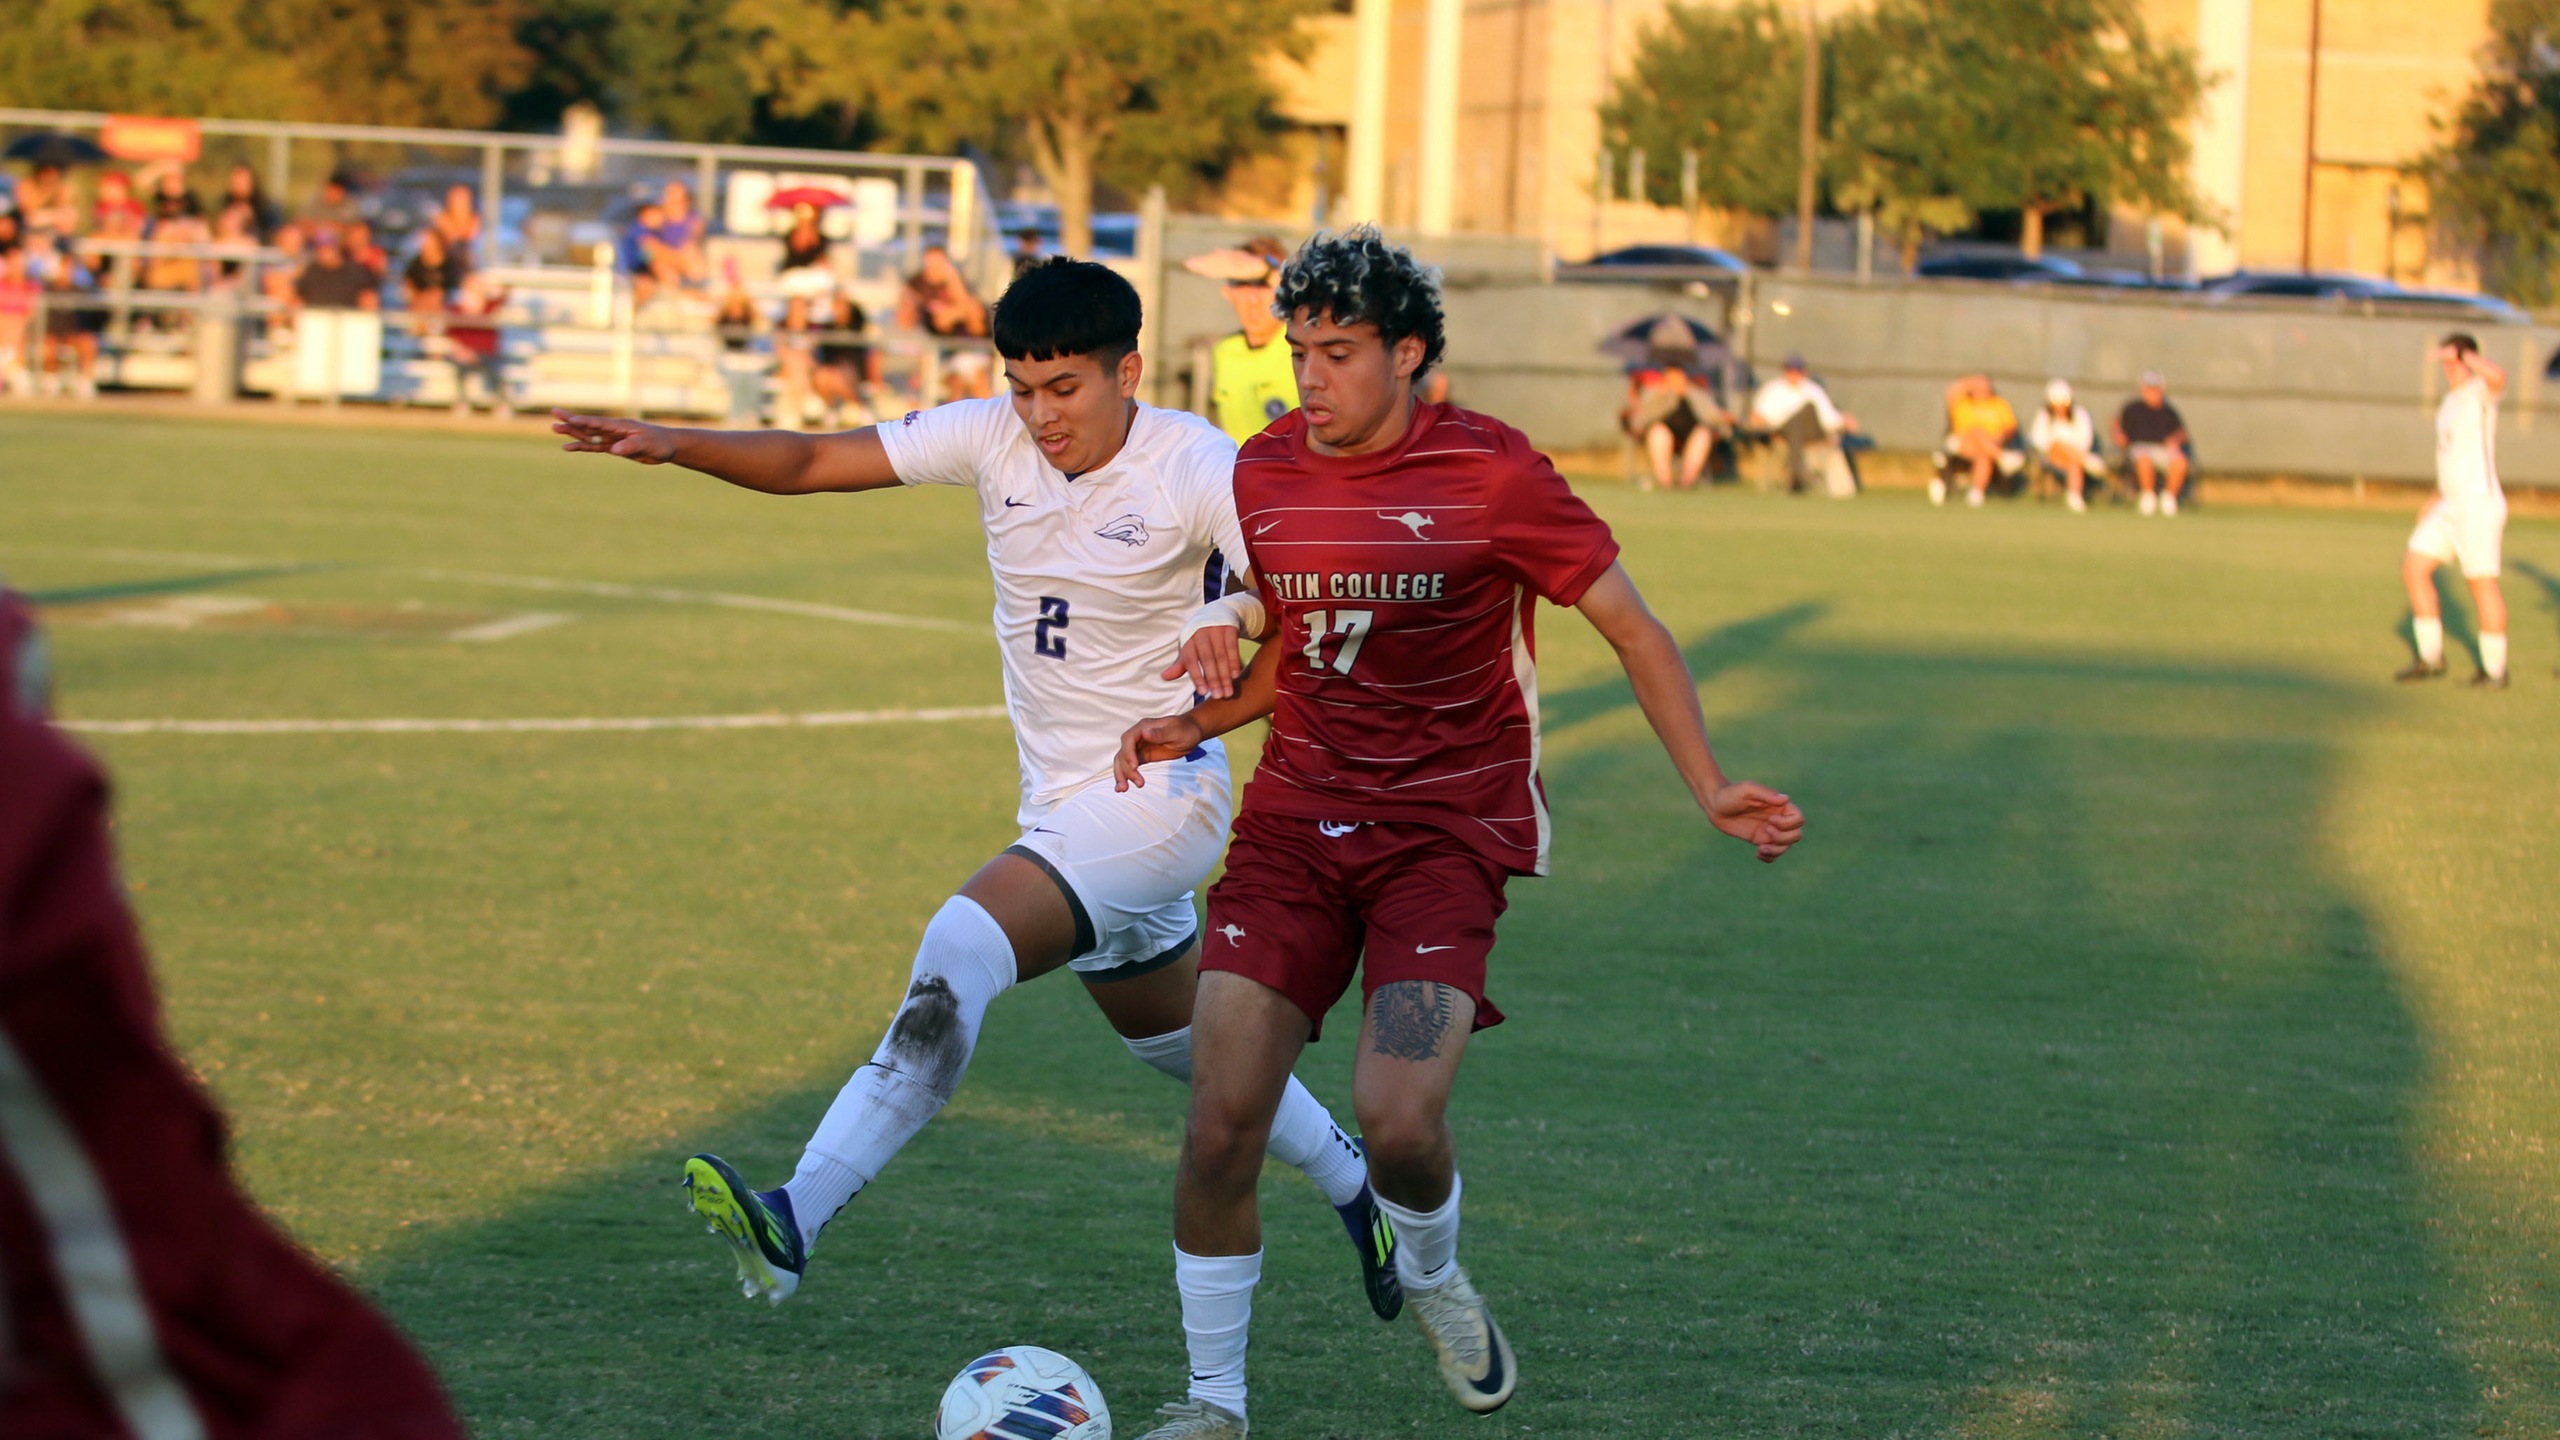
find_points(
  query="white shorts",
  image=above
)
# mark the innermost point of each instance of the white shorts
(2467, 534)
(1128, 861)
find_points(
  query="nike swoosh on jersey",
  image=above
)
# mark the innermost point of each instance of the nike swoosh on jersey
(1010, 502)
(1428, 949)
(1267, 529)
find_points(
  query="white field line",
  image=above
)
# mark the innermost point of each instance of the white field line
(705, 597)
(510, 626)
(822, 719)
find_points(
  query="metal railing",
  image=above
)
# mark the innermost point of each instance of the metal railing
(936, 192)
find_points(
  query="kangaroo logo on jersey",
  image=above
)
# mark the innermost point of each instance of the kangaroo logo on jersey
(1129, 530)
(1411, 520)
(1233, 933)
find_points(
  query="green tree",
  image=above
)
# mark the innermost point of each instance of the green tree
(2493, 179)
(407, 62)
(1724, 84)
(1898, 128)
(1124, 92)
(2058, 103)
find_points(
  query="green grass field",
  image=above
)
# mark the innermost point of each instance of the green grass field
(2154, 1036)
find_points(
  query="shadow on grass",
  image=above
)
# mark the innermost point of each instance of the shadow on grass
(2056, 1087)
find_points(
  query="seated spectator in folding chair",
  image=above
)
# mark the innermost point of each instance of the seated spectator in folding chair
(1798, 413)
(1673, 419)
(676, 255)
(2064, 437)
(2154, 437)
(1982, 438)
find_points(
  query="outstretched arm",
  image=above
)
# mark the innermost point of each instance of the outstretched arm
(1751, 813)
(777, 462)
(1170, 737)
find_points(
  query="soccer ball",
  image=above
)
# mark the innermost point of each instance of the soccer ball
(1022, 1392)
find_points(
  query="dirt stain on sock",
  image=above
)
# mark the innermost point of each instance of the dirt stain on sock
(926, 1038)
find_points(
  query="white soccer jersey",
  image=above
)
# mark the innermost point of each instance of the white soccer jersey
(1094, 576)
(2467, 445)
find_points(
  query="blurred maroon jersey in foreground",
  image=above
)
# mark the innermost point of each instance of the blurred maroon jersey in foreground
(141, 1295)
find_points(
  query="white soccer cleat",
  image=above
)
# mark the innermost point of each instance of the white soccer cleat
(1937, 491)
(1197, 1420)
(1475, 1359)
(2150, 503)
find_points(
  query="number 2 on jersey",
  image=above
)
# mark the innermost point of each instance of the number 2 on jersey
(1351, 625)
(1053, 618)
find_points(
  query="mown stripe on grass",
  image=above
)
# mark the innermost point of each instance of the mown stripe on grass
(820, 719)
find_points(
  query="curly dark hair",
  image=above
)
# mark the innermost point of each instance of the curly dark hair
(1357, 278)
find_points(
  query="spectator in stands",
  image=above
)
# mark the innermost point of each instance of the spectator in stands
(1981, 430)
(45, 206)
(1026, 249)
(2154, 437)
(476, 344)
(176, 219)
(631, 252)
(804, 255)
(233, 225)
(2064, 437)
(1797, 411)
(72, 319)
(246, 210)
(357, 240)
(845, 371)
(17, 309)
(115, 214)
(795, 354)
(13, 231)
(937, 300)
(334, 208)
(676, 255)
(336, 281)
(1675, 421)
(459, 224)
(422, 282)
(277, 282)
(740, 366)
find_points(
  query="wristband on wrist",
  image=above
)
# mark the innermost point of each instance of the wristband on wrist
(1243, 610)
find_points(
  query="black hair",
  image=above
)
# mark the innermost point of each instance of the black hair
(1357, 278)
(1062, 307)
(2461, 343)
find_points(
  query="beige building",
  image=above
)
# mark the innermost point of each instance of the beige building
(1481, 116)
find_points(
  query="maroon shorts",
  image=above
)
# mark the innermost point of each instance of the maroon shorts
(1303, 900)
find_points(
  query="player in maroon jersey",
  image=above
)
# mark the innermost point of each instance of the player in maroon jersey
(1401, 548)
(141, 1296)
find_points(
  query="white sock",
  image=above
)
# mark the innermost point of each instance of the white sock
(2493, 654)
(1426, 1241)
(1217, 1313)
(1303, 1134)
(963, 964)
(2429, 633)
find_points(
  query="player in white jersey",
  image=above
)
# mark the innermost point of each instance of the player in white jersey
(1103, 519)
(2466, 521)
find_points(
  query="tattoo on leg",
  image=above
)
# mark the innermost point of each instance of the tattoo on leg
(1409, 1019)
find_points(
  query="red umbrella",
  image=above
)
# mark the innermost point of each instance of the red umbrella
(816, 197)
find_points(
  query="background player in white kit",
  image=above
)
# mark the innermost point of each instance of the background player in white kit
(2467, 520)
(1104, 518)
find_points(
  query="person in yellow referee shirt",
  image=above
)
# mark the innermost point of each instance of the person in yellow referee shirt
(1251, 383)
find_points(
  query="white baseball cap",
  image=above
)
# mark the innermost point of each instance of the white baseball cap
(2057, 392)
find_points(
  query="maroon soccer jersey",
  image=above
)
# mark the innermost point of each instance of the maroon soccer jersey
(1404, 583)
